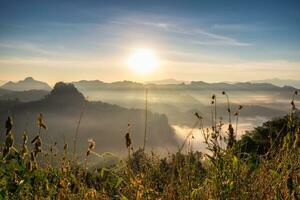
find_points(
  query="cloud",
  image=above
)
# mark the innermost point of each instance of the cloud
(236, 27)
(216, 39)
(26, 47)
(200, 35)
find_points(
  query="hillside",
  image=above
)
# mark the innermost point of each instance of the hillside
(105, 123)
(24, 96)
(193, 85)
(27, 84)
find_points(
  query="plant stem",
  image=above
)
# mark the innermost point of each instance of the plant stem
(146, 119)
(77, 128)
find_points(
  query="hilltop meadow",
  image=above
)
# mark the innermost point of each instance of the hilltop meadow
(264, 163)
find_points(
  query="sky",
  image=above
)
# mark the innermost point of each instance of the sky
(205, 40)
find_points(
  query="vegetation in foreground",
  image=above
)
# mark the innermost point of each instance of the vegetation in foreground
(263, 164)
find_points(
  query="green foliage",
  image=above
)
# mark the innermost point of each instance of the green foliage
(264, 164)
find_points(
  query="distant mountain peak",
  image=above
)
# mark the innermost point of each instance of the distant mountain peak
(169, 81)
(27, 84)
(65, 92)
(63, 87)
(29, 79)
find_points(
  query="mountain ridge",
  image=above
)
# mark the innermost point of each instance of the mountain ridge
(94, 85)
(27, 84)
(104, 122)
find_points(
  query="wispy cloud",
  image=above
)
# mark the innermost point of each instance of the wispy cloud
(26, 47)
(236, 27)
(200, 36)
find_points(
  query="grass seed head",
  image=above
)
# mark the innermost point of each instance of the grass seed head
(128, 140)
(92, 144)
(8, 124)
(198, 116)
(41, 123)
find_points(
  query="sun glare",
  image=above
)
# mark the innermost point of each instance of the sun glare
(143, 61)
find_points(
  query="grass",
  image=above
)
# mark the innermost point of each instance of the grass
(220, 173)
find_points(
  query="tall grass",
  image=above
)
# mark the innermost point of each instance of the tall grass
(223, 172)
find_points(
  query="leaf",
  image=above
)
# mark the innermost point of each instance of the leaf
(194, 193)
(274, 173)
(231, 185)
(102, 173)
(235, 162)
(124, 198)
(119, 181)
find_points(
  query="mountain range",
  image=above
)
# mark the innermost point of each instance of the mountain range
(193, 85)
(271, 84)
(175, 100)
(280, 82)
(105, 123)
(167, 82)
(27, 84)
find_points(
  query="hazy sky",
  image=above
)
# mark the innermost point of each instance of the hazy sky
(194, 40)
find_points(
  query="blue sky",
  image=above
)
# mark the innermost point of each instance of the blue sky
(194, 40)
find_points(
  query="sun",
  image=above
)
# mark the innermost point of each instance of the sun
(143, 61)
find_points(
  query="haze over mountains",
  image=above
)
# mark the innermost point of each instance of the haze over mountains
(27, 84)
(270, 84)
(167, 82)
(280, 82)
(105, 123)
(112, 105)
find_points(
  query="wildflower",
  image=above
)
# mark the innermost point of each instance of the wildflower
(37, 145)
(65, 146)
(29, 166)
(92, 144)
(41, 123)
(24, 150)
(9, 141)
(25, 138)
(33, 162)
(8, 124)
(88, 152)
(198, 116)
(293, 105)
(231, 136)
(128, 140)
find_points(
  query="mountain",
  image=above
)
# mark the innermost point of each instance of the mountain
(4, 91)
(99, 85)
(280, 82)
(24, 96)
(27, 84)
(88, 85)
(105, 123)
(193, 85)
(167, 82)
(240, 86)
